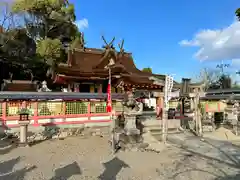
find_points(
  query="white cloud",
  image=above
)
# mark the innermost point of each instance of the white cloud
(82, 24)
(218, 44)
(235, 63)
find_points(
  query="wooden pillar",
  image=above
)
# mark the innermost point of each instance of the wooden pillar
(113, 89)
(69, 88)
(197, 113)
(76, 87)
(119, 90)
(159, 106)
(92, 88)
(4, 114)
(100, 88)
(35, 115)
(70, 57)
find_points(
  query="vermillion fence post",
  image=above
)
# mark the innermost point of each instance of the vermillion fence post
(219, 107)
(4, 114)
(64, 109)
(35, 113)
(206, 107)
(89, 110)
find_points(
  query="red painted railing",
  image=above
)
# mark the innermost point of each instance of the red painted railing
(57, 112)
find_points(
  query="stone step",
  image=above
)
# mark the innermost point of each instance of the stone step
(159, 132)
(172, 124)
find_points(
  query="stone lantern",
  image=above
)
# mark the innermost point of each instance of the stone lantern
(23, 123)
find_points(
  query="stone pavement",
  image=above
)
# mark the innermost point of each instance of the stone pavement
(77, 158)
(221, 151)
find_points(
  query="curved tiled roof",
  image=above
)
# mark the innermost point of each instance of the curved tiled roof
(91, 63)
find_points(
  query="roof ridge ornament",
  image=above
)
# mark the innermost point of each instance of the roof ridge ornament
(82, 42)
(121, 49)
(108, 45)
(109, 52)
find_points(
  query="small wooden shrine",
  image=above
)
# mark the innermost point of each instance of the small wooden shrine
(87, 70)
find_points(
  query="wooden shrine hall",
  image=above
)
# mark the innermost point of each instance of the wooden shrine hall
(87, 70)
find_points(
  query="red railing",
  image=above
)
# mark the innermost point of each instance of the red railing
(57, 112)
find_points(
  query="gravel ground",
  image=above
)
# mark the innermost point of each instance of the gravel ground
(91, 158)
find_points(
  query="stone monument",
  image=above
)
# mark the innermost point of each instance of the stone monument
(232, 114)
(23, 123)
(128, 136)
(132, 109)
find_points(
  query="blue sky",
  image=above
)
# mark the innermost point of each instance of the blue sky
(163, 34)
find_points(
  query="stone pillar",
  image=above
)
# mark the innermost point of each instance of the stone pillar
(23, 133)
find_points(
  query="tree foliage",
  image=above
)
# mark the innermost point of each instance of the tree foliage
(208, 77)
(223, 82)
(44, 29)
(213, 79)
(237, 12)
(18, 44)
(49, 50)
(148, 69)
(48, 18)
(51, 23)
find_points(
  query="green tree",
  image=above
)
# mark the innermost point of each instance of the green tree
(17, 49)
(237, 12)
(148, 69)
(50, 50)
(50, 23)
(223, 82)
(236, 85)
(34, 35)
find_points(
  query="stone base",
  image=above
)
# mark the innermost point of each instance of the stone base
(132, 132)
(153, 144)
(23, 144)
(128, 142)
(23, 123)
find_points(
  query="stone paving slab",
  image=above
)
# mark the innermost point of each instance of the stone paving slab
(219, 150)
(91, 159)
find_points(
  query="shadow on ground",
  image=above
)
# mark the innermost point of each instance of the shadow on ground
(112, 168)
(7, 171)
(221, 156)
(233, 177)
(7, 144)
(67, 171)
